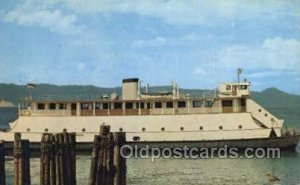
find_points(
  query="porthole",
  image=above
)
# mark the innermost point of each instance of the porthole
(220, 127)
(46, 130)
(28, 129)
(181, 128)
(136, 138)
(201, 128)
(259, 110)
(266, 114)
(83, 130)
(240, 126)
(121, 129)
(143, 129)
(162, 128)
(64, 130)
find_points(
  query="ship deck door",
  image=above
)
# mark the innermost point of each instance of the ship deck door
(73, 109)
(227, 106)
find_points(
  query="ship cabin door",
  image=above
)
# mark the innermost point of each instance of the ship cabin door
(227, 106)
(73, 109)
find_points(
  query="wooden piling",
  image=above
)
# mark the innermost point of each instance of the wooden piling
(21, 154)
(2, 164)
(118, 161)
(94, 165)
(108, 167)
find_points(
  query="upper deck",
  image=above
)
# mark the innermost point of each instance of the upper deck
(231, 98)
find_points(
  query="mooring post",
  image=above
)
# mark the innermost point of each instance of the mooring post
(94, 164)
(26, 180)
(57, 159)
(119, 162)
(72, 137)
(109, 159)
(52, 161)
(61, 159)
(17, 156)
(2, 164)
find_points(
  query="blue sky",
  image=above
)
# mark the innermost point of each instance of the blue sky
(196, 43)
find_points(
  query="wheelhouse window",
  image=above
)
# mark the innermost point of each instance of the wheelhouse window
(41, 106)
(243, 87)
(52, 106)
(197, 103)
(181, 104)
(228, 87)
(118, 105)
(158, 105)
(169, 104)
(129, 105)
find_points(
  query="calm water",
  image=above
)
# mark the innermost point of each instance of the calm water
(200, 171)
(183, 171)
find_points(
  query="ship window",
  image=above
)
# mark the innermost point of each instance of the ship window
(136, 138)
(62, 106)
(121, 129)
(266, 114)
(105, 105)
(169, 104)
(181, 128)
(226, 103)
(244, 87)
(141, 105)
(228, 87)
(259, 110)
(201, 128)
(162, 129)
(64, 130)
(143, 129)
(86, 106)
(196, 103)
(240, 126)
(208, 103)
(181, 104)
(158, 105)
(97, 105)
(52, 106)
(118, 105)
(129, 105)
(41, 106)
(220, 127)
(28, 129)
(46, 130)
(149, 105)
(83, 130)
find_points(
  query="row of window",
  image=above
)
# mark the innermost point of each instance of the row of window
(52, 106)
(128, 105)
(143, 129)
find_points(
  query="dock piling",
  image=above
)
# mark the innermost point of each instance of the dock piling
(2, 164)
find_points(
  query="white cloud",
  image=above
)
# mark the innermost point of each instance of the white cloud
(81, 66)
(34, 13)
(194, 12)
(273, 53)
(160, 41)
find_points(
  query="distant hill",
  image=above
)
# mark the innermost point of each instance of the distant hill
(4, 103)
(283, 105)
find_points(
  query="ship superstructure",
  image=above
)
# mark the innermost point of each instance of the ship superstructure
(155, 117)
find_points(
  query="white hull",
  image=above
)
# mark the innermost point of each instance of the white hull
(235, 126)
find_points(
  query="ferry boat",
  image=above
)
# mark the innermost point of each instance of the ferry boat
(229, 117)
